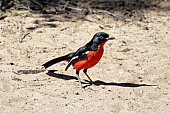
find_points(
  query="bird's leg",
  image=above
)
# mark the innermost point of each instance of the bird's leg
(85, 72)
(77, 72)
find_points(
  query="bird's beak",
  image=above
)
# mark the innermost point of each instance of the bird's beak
(110, 38)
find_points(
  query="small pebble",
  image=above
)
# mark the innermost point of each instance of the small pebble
(77, 93)
(11, 63)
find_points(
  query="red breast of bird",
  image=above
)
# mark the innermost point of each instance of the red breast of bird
(92, 59)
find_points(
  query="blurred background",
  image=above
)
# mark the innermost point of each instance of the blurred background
(118, 9)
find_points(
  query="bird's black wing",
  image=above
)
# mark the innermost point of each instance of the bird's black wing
(79, 55)
(74, 57)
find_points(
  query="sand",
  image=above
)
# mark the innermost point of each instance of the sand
(133, 75)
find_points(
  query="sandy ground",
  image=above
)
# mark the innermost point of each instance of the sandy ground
(133, 75)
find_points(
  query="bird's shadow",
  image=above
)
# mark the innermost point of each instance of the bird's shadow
(97, 82)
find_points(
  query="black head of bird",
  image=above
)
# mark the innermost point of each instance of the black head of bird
(101, 37)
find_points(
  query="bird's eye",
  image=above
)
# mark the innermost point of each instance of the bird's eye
(101, 37)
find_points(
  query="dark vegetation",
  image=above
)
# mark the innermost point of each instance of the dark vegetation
(133, 9)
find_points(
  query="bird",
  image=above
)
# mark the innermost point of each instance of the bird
(85, 57)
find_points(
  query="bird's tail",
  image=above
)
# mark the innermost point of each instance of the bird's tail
(55, 60)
